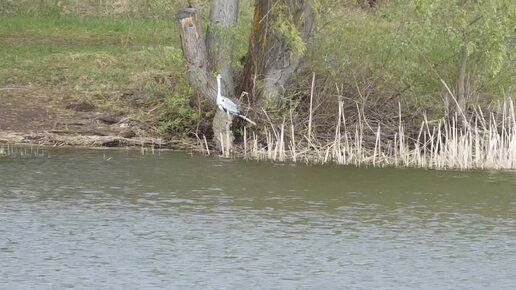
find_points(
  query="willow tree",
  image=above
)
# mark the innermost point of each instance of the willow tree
(206, 56)
(483, 32)
(279, 32)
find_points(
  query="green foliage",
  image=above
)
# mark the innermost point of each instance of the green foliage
(393, 50)
(178, 116)
(483, 27)
(404, 50)
(285, 26)
(171, 93)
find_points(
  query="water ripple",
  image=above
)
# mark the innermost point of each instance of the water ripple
(75, 221)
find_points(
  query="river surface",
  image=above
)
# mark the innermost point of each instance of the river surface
(122, 220)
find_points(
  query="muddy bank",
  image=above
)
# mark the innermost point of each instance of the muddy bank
(29, 117)
(92, 141)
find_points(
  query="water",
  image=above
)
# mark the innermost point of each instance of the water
(119, 220)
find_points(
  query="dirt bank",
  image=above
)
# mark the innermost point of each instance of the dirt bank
(30, 117)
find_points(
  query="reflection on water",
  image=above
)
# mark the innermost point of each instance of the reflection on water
(74, 219)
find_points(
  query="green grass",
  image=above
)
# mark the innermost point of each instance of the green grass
(89, 64)
(94, 57)
(115, 32)
(37, 46)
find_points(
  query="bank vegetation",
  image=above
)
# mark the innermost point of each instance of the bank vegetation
(376, 83)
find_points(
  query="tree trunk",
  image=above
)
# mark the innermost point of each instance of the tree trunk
(271, 57)
(207, 57)
(223, 17)
(461, 81)
(195, 54)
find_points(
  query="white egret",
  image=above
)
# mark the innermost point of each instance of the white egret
(228, 106)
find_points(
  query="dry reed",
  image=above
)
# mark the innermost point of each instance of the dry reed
(21, 151)
(479, 141)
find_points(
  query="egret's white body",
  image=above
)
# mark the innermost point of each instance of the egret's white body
(227, 105)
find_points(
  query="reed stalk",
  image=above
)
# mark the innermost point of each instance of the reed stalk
(454, 142)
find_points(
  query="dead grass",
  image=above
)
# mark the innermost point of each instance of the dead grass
(477, 140)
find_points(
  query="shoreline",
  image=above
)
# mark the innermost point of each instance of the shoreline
(274, 153)
(54, 140)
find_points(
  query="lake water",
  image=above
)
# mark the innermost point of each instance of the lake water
(121, 220)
